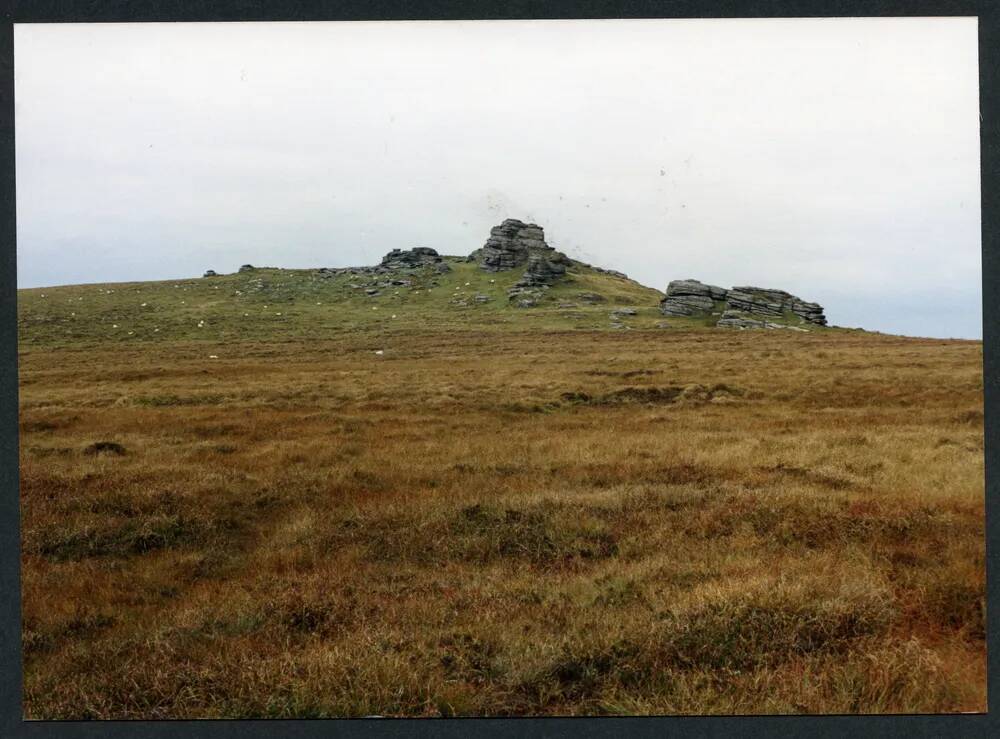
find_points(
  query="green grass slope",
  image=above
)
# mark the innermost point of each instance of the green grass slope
(271, 304)
(295, 304)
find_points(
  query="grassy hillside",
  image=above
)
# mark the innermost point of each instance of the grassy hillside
(487, 510)
(286, 304)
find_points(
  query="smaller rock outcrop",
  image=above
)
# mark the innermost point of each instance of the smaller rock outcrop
(210, 273)
(544, 270)
(418, 256)
(744, 307)
(247, 268)
(768, 302)
(690, 298)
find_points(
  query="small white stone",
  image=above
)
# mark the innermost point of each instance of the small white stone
(393, 315)
(379, 352)
(143, 305)
(114, 325)
(213, 356)
(277, 314)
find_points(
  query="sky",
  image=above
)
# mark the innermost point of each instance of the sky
(837, 159)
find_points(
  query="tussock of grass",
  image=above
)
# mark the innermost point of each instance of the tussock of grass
(753, 629)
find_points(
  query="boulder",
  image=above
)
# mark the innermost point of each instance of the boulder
(247, 268)
(210, 273)
(690, 298)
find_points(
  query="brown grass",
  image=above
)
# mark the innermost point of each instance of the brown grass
(507, 523)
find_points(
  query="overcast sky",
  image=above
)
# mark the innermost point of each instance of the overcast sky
(836, 159)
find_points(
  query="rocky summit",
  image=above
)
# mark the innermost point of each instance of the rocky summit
(515, 269)
(510, 245)
(738, 307)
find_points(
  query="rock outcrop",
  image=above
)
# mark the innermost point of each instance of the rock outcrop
(510, 245)
(544, 270)
(744, 307)
(690, 298)
(767, 302)
(418, 256)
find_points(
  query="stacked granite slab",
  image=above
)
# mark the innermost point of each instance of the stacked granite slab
(690, 298)
(767, 302)
(741, 304)
(511, 244)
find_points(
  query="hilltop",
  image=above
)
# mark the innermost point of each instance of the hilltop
(514, 281)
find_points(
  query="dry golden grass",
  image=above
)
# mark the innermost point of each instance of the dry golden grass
(504, 523)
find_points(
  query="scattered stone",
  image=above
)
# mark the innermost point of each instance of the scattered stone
(479, 298)
(371, 291)
(591, 297)
(526, 303)
(612, 272)
(618, 312)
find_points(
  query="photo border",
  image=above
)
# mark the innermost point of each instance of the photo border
(68, 11)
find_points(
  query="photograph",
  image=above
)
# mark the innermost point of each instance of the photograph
(500, 368)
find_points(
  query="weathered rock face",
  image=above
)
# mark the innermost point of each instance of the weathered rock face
(511, 244)
(742, 304)
(418, 256)
(690, 298)
(736, 319)
(767, 302)
(544, 270)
